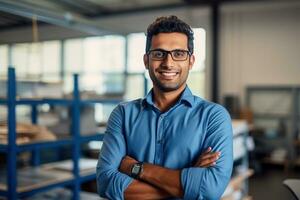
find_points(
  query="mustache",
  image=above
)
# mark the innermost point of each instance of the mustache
(162, 70)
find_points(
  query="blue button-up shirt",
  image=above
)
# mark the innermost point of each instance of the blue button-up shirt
(173, 139)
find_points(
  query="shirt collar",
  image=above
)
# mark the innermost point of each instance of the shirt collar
(186, 96)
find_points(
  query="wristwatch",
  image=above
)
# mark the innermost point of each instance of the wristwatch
(136, 170)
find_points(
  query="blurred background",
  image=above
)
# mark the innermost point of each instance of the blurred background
(65, 64)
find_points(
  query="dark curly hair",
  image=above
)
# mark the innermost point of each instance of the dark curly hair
(170, 24)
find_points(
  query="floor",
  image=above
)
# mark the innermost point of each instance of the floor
(268, 184)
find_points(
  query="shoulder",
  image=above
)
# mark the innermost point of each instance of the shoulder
(123, 109)
(209, 108)
(127, 106)
(131, 104)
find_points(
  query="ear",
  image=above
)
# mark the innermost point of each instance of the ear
(146, 61)
(191, 61)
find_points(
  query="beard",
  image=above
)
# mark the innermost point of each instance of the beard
(165, 86)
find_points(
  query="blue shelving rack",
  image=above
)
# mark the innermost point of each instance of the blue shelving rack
(12, 149)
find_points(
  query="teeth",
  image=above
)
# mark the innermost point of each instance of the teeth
(169, 73)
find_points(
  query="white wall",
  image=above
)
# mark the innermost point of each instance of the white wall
(260, 45)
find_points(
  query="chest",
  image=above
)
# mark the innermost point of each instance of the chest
(163, 138)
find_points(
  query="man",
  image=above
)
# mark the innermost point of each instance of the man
(170, 144)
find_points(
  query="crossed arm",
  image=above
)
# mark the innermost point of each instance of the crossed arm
(156, 182)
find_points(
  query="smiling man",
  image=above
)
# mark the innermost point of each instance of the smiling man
(170, 144)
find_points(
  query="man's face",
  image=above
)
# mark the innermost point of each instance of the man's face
(166, 74)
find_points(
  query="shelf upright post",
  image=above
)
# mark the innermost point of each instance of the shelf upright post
(34, 114)
(12, 146)
(35, 154)
(76, 138)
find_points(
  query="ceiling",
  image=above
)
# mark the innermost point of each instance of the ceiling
(81, 14)
(16, 13)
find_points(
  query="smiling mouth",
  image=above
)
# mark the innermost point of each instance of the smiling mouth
(169, 74)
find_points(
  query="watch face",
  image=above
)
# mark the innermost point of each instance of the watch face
(136, 169)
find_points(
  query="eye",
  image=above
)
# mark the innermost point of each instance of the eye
(179, 53)
(158, 54)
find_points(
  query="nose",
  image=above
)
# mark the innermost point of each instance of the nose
(168, 61)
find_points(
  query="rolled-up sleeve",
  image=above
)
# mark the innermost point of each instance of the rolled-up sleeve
(210, 183)
(111, 183)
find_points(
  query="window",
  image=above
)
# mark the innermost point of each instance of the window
(104, 54)
(99, 60)
(136, 51)
(3, 60)
(39, 60)
(135, 65)
(51, 59)
(104, 64)
(196, 80)
(20, 59)
(73, 60)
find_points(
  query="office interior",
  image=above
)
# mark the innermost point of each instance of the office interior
(65, 65)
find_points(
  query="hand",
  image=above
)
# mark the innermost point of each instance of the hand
(207, 158)
(126, 165)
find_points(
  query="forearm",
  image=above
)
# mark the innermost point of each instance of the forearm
(140, 190)
(156, 182)
(163, 178)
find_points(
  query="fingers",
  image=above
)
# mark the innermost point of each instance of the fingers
(209, 155)
(208, 158)
(207, 150)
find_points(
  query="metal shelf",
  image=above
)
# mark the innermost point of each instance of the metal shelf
(75, 178)
(36, 101)
(3, 192)
(52, 144)
(32, 101)
(3, 148)
(40, 145)
(87, 177)
(286, 98)
(28, 101)
(3, 101)
(45, 188)
(87, 138)
(102, 101)
(35, 179)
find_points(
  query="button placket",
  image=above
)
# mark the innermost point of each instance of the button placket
(159, 141)
(160, 132)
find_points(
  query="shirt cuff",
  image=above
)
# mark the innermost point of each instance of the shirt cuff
(116, 186)
(191, 179)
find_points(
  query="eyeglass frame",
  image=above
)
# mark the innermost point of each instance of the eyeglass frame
(169, 52)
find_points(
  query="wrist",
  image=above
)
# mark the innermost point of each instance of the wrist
(136, 170)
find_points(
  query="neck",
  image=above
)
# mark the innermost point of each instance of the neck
(165, 100)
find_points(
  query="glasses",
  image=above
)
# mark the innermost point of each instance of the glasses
(176, 54)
